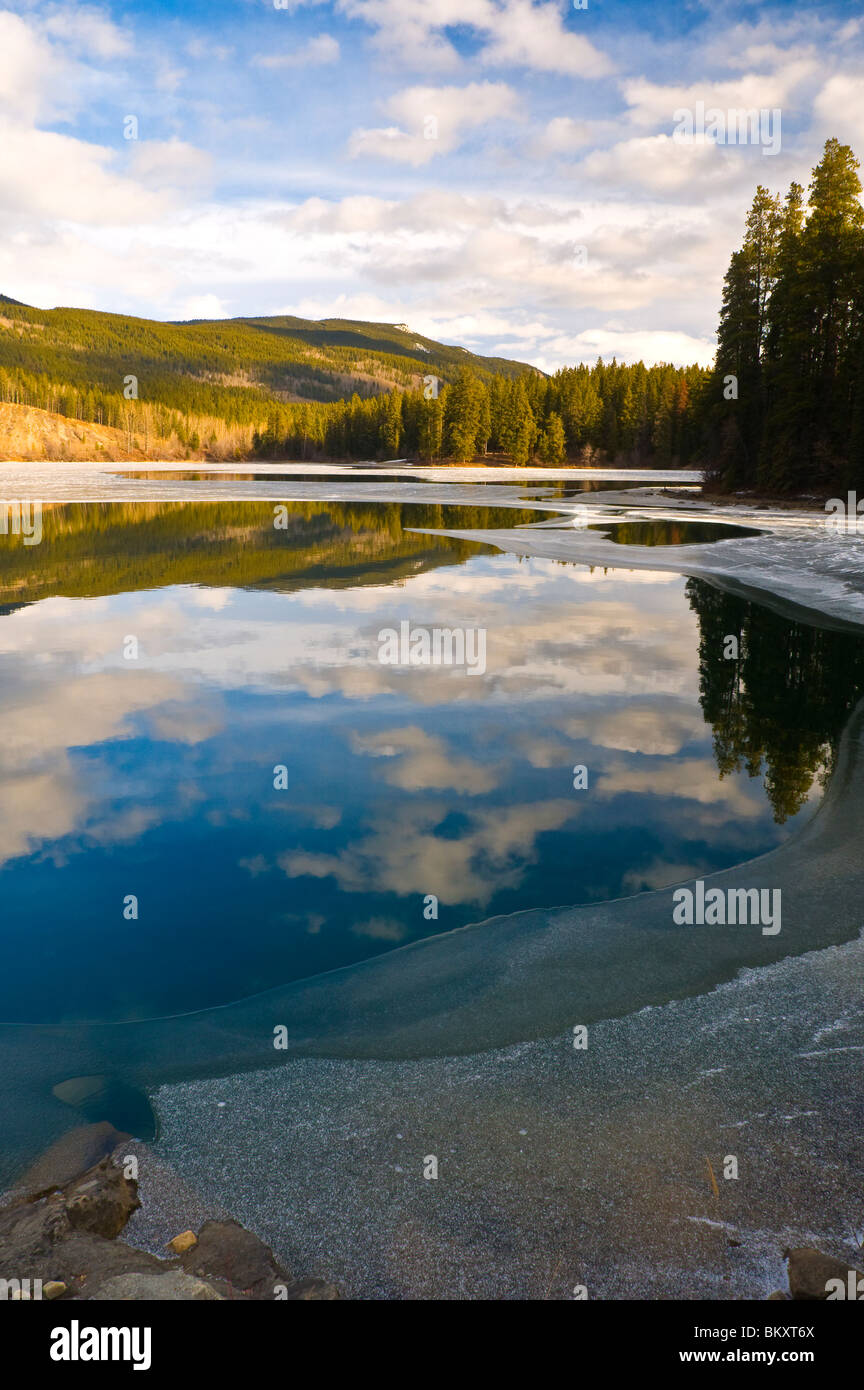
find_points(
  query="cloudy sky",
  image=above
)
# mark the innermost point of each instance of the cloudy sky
(497, 173)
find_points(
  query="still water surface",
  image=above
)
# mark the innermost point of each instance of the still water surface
(152, 775)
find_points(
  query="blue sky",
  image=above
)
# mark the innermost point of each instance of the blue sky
(498, 173)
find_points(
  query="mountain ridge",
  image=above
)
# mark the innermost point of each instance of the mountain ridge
(279, 356)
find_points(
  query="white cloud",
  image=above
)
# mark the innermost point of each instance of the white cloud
(56, 178)
(82, 28)
(314, 53)
(33, 77)
(206, 306)
(513, 34)
(563, 135)
(413, 31)
(637, 345)
(649, 730)
(654, 104)
(202, 49)
(170, 164)
(691, 779)
(381, 929)
(839, 108)
(44, 174)
(436, 118)
(169, 78)
(534, 36)
(655, 162)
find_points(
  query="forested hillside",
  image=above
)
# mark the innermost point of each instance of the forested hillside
(286, 387)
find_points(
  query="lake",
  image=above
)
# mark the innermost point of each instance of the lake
(213, 784)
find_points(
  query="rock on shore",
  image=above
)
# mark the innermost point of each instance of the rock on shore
(61, 1224)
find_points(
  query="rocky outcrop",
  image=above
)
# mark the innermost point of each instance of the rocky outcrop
(101, 1201)
(74, 1153)
(226, 1251)
(61, 1229)
(175, 1286)
(814, 1276)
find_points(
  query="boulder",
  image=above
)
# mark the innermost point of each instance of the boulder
(101, 1201)
(226, 1250)
(31, 1229)
(173, 1287)
(185, 1241)
(810, 1271)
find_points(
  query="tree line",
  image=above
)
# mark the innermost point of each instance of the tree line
(609, 412)
(625, 414)
(784, 408)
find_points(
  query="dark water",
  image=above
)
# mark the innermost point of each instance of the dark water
(151, 775)
(671, 532)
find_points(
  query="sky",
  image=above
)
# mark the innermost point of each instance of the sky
(506, 175)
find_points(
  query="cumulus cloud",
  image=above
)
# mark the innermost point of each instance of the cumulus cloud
(655, 162)
(654, 103)
(563, 135)
(34, 77)
(170, 164)
(690, 779)
(432, 121)
(381, 929)
(649, 729)
(416, 33)
(534, 36)
(839, 108)
(527, 34)
(45, 174)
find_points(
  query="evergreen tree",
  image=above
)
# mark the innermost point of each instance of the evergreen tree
(792, 335)
(553, 445)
